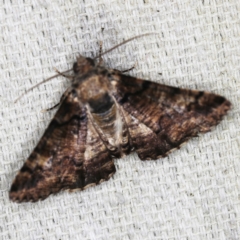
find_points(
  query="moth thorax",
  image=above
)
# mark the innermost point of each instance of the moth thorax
(101, 104)
(93, 88)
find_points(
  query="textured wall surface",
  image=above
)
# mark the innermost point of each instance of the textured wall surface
(191, 194)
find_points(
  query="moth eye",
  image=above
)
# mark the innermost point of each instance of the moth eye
(110, 78)
(90, 61)
(74, 93)
(75, 67)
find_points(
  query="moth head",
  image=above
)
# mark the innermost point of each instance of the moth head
(83, 65)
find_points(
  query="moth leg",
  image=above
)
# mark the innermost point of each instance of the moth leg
(127, 70)
(51, 108)
(100, 53)
(64, 75)
(65, 94)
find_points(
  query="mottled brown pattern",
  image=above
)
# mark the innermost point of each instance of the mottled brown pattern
(160, 118)
(107, 115)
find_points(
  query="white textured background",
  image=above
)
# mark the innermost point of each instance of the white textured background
(191, 194)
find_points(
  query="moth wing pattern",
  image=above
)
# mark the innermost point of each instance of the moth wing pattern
(70, 155)
(161, 118)
(107, 115)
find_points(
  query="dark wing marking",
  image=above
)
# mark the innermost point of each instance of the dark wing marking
(160, 118)
(70, 155)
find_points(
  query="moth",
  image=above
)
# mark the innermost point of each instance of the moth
(104, 115)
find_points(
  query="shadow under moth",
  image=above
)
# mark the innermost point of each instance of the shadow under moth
(104, 115)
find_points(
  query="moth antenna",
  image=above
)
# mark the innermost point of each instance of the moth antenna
(100, 53)
(122, 43)
(38, 84)
(62, 74)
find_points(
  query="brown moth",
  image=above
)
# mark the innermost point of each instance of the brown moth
(106, 115)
